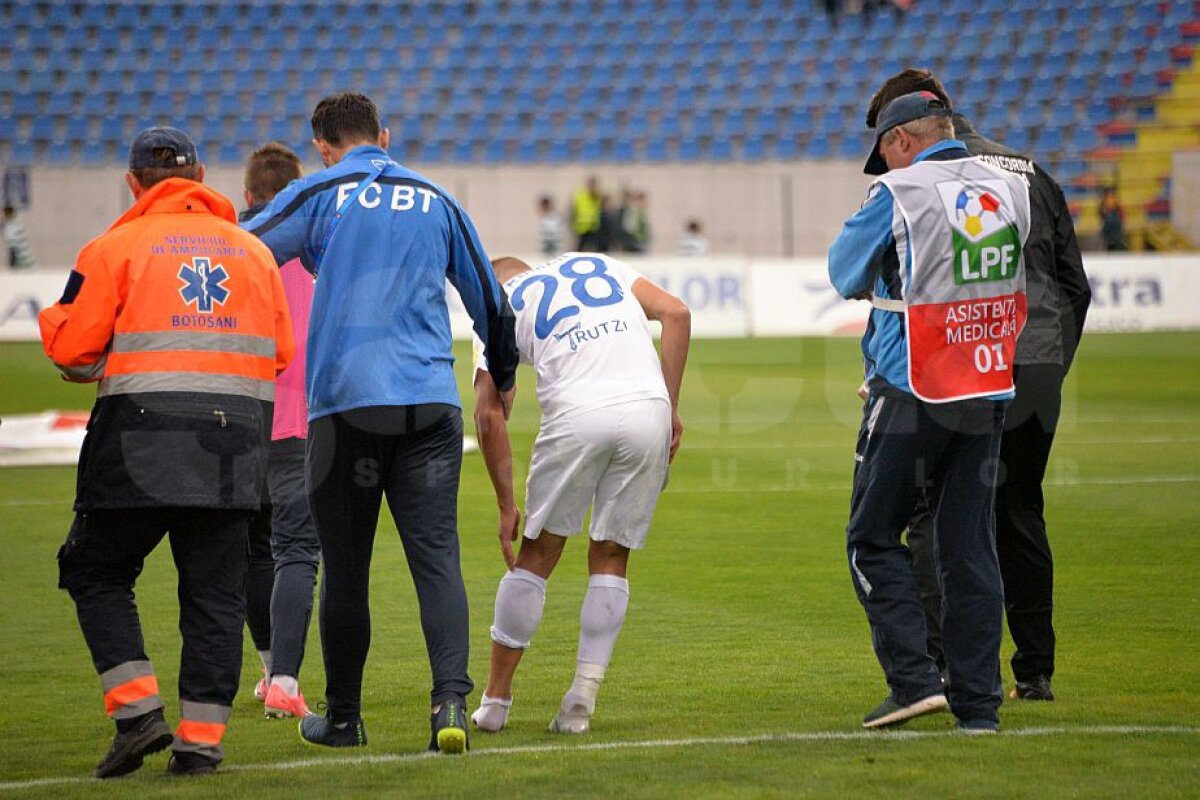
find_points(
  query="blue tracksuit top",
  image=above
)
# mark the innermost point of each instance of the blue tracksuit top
(380, 330)
(864, 255)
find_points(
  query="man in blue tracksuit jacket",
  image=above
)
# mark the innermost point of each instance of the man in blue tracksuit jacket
(944, 448)
(385, 417)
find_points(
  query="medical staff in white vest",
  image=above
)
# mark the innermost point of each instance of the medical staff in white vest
(937, 249)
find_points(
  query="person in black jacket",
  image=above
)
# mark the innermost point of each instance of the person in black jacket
(1059, 297)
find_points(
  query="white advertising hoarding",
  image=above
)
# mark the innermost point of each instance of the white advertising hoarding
(1143, 293)
(734, 297)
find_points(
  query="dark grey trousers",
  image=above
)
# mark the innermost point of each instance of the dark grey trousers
(284, 553)
(1026, 563)
(296, 552)
(412, 456)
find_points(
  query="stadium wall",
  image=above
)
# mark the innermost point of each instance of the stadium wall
(739, 296)
(762, 210)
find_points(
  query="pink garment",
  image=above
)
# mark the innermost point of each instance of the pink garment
(291, 406)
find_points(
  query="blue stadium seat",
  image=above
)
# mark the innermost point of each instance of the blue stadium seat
(94, 153)
(721, 149)
(22, 151)
(60, 152)
(763, 69)
(1049, 142)
(560, 151)
(1084, 138)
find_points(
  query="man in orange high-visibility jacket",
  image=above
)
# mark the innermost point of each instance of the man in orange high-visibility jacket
(181, 317)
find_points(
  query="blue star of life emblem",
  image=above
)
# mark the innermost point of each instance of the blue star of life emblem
(202, 284)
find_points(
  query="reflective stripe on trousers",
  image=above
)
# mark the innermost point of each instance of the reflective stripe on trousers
(201, 728)
(130, 690)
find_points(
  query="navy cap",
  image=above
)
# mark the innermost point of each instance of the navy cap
(163, 137)
(905, 108)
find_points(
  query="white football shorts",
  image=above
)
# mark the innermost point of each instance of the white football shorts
(614, 457)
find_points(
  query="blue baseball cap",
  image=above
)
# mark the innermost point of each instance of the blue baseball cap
(182, 150)
(905, 108)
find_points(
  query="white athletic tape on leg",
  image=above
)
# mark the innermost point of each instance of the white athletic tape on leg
(520, 599)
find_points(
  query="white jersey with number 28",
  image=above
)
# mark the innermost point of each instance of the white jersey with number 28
(584, 332)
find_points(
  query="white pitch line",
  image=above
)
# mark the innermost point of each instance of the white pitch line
(653, 744)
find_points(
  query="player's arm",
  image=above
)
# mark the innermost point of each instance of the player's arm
(491, 428)
(857, 252)
(676, 318)
(77, 331)
(286, 225)
(492, 317)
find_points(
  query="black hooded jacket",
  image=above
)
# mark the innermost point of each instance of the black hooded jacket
(1057, 287)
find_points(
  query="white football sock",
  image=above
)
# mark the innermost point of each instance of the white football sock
(492, 714)
(520, 599)
(290, 686)
(600, 621)
(265, 657)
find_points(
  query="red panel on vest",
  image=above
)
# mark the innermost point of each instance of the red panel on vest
(964, 348)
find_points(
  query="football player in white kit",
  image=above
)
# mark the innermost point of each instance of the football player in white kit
(610, 427)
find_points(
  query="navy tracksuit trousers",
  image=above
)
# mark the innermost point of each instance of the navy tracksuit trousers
(412, 456)
(947, 452)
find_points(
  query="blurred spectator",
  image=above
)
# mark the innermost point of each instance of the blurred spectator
(20, 255)
(635, 227)
(550, 227)
(692, 243)
(1112, 222)
(610, 236)
(585, 216)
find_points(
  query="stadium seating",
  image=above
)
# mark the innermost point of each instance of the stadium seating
(533, 80)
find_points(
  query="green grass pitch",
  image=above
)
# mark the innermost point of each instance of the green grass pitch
(745, 663)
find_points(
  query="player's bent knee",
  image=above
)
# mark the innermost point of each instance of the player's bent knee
(607, 558)
(520, 599)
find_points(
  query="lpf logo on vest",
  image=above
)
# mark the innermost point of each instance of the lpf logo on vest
(984, 233)
(203, 285)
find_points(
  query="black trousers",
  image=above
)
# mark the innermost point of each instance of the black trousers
(102, 559)
(1026, 563)
(284, 554)
(949, 453)
(260, 574)
(412, 456)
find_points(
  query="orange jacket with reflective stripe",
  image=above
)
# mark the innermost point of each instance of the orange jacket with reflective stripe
(182, 318)
(173, 297)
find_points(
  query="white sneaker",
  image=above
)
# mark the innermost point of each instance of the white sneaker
(492, 714)
(574, 715)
